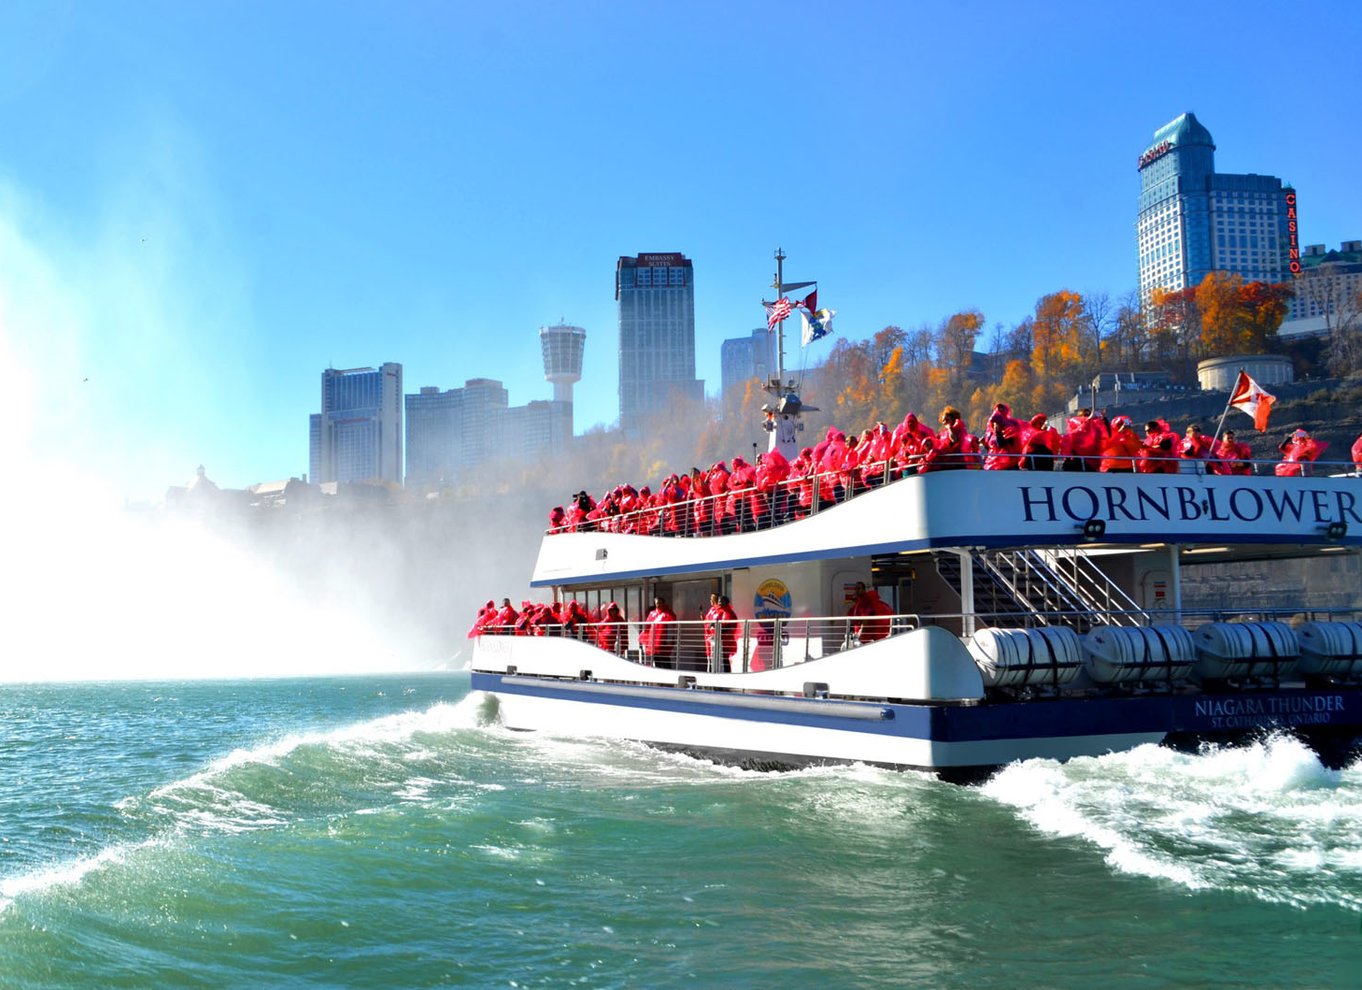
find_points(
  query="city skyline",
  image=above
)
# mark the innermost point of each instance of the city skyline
(202, 206)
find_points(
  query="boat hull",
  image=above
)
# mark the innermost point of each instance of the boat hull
(785, 731)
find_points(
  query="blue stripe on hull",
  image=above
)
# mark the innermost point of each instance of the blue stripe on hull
(1335, 710)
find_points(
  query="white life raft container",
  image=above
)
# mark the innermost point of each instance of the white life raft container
(1125, 654)
(1245, 649)
(1332, 649)
(1017, 657)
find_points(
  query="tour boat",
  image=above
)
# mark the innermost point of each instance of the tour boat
(1037, 614)
(1034, 614)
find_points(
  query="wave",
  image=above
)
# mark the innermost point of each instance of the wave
(350, 770)
(1266, 819)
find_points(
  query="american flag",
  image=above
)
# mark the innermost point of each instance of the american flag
(777, 311)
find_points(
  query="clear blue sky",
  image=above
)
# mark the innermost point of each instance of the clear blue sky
(202, 205)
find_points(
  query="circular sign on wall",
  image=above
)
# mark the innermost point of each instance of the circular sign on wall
(772, 600)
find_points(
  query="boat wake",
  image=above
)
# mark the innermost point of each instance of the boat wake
(1266, 819)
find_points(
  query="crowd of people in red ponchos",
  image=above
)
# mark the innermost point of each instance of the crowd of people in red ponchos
(745, 496)
(660, 643)
(607, 627)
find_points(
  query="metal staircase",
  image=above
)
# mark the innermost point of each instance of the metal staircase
(1043, 587)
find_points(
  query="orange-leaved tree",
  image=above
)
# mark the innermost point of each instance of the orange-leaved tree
(1062, 345)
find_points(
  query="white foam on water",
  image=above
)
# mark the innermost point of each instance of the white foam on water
(1266, 819)
(205, 802)
(361, 740)
(62, 874)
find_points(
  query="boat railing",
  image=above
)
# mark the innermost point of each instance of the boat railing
(758, 644)
(728, 645)
(1092, 586)
(752, 508)
(739, 510)
(1189, 618)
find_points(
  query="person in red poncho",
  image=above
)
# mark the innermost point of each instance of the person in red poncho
(868, 603)
(1002, 440)
(702, 505)
(742, 482)
(1232, 457)
(717, 480)
(487, 614)
(1299, 451)
(504, 623)
(575, 620)
(721, 631)
(611, 632)
(1357, 454)
(1160, 449)
(1083, 440)
(773, 470)
(910, 443)
(1123, 449)
(1040, 444)
(952, 448)
(1196, 446)
(658, 638)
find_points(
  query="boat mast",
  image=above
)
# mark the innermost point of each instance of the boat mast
(780, 327)
(783, 411)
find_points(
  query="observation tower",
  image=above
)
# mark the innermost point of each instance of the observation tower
(563, 346)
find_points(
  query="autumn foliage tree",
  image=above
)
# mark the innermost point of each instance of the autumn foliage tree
(1239, 317)
(1174, 330)
(1063, 346)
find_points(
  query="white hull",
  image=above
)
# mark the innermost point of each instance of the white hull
(763, 742)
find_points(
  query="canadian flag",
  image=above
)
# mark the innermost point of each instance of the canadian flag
(1249, 397)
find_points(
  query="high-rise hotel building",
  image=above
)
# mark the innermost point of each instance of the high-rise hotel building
(453, 432)
(1194, 220)
(747, 360)
(358, 434)
(656, 296)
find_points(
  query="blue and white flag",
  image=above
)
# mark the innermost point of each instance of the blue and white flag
(818, 327)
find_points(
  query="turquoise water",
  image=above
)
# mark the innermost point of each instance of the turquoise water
(384, 832)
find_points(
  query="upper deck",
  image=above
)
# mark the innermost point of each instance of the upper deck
(991, 509)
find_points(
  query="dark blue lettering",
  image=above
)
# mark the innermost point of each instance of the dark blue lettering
(1280, 508)
(1093, 504)
(1147, 501)
(1238, 510)
(1319, 499)
(1346, 503)
(1190, 510)
(1214, 509)
(1029, 502)
(1116, 502)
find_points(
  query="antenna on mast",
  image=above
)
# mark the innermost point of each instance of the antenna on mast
(780, 327)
